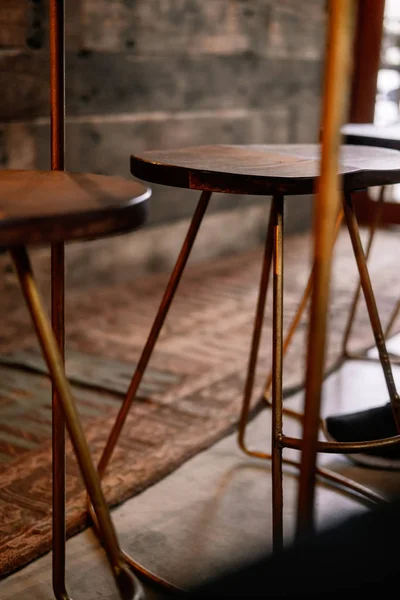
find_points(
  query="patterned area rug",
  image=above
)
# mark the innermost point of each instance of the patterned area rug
(192, 391)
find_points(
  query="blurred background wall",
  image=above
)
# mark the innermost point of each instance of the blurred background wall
(145, 74)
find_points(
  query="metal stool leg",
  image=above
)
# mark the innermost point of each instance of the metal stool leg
(258, 322)
(336, 87)
(58, 429)
(277, 362)
(373, 313)
(143, 362)
(127, 586)
(57, 124)
(293, 328)
(273, 248)
(353, 309)
(155, 330)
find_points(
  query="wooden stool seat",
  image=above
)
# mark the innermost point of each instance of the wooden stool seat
(262, 169)
(55, 206)
(368, 134)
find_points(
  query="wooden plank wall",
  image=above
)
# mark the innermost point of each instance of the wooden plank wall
(143, 74)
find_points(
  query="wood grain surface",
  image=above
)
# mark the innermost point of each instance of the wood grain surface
(51, 206)
(260, 169)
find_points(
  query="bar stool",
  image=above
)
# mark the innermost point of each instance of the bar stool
(279, 171)
(51, 208)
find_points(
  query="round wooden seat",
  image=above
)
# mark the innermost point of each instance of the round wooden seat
(55, 206)
(263, 170)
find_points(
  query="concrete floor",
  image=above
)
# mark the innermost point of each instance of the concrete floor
(215, 510)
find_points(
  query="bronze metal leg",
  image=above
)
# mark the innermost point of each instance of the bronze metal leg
(277, 361)
(273, 247)
(336, 88)
(143, 362)
(293, 327)
(373, 313)
(155, 330)
(291, 331)
(58, 430)
(357, 293)
(127, 586)
(57, 114)
(258, 322)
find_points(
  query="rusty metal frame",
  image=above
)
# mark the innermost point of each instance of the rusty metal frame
(326, 231)
(338, 69)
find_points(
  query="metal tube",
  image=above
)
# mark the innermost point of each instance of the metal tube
(392, 319)
(296, 322)
(57, 126)
(342, 447)
(337, 78)
(57, 83)
(258, 323)
(357, 293)
(349, 485)
(155, 330)
(277, 362)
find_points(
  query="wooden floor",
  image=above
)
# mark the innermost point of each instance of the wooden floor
(215, 509)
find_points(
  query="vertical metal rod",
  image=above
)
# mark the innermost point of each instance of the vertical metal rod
(277, 363)
(356, 298)
(337, 79)
(297, 318)
(57, 120)
(155, 329)
(373, 313)
(57, 83)
(258, 323)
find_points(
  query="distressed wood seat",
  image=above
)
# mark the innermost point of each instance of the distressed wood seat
(262, 169)
(55, 206)
(276, 171)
